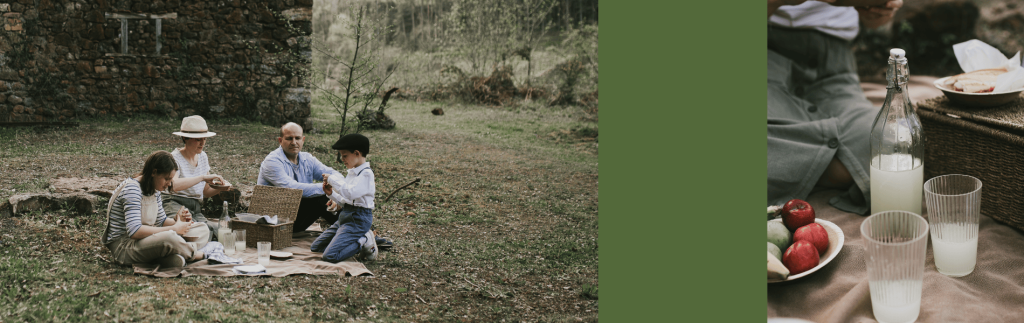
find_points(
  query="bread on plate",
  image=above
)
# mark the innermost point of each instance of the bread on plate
(980, 81)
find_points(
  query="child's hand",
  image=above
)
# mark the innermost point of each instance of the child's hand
(328, 189)
(183, 215)
(327, 186)
(180, 228)
(331, 206)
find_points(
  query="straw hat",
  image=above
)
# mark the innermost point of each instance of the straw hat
(194, 127)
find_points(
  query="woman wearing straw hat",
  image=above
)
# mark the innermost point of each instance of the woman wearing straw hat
(191, 187)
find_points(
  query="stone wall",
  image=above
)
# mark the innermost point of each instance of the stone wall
(65, 59)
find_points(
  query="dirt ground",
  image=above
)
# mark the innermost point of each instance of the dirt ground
(503, 228)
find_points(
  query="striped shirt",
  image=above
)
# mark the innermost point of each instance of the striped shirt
(276, 170)
(125, 216)
(186, 170)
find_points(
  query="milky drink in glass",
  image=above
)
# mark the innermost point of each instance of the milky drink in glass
(956, 252)
(228, 240)
(895, 244)
(896, 190)
(954, 211)
(263, 252)
(240, 241)
(896, 301)
(897, 145)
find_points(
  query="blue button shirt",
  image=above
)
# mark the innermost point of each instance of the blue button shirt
(277, 170)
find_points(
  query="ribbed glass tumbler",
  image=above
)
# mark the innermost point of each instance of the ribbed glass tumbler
(954, 209)
(896, 242)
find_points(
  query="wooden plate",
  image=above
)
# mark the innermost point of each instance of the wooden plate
(835, 243)
(280, 254)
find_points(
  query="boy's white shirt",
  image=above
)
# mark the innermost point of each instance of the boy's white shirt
(357, 190)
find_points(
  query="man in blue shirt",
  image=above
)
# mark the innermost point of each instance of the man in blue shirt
(288, 166)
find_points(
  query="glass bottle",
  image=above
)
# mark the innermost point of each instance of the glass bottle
(897, 145)
(224, 232)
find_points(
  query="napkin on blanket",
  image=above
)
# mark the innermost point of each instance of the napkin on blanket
(214, 252)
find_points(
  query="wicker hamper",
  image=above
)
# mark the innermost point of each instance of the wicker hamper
(269, 200)
(984, 143)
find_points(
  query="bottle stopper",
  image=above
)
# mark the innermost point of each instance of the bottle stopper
(897, 53)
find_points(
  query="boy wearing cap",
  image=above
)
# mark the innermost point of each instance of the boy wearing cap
(353, 197)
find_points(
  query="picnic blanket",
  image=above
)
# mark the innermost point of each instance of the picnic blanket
(839, 291)
(302, 261)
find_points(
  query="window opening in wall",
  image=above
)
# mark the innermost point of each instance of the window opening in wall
(124, 17)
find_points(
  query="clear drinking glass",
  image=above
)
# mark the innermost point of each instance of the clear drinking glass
(228, 240)
(263, 253)
(954, 209)
(896, 243)
(240, 241)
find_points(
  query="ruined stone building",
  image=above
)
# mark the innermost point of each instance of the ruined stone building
(67, 59)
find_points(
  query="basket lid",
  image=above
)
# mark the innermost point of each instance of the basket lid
(280, 201)
(1008, 116)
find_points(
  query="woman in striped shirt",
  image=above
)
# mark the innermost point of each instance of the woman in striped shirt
(138, 230)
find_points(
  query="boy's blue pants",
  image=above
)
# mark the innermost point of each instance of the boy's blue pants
(341, 240)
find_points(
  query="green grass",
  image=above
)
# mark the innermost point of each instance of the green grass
(421, 70)
(503, 225)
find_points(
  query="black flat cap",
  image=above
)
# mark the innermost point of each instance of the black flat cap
(353, 142)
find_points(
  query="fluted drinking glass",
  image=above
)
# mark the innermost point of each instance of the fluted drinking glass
(954, 209)
(896, 242)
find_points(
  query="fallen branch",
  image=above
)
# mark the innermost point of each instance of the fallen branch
(417, 180)
(386, 97)
(471, 283)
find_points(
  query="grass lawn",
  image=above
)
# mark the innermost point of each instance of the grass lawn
(503, 228)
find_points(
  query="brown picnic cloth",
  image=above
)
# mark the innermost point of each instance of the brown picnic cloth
(839, 292)
(302, 262)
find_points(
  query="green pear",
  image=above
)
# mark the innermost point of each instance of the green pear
(779, 235)
(774, 250)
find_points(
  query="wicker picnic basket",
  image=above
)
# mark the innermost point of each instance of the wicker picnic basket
(984, 143)
(269, 200)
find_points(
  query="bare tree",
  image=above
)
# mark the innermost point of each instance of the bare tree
(363, 79)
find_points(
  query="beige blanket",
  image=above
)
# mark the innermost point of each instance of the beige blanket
(839, 292)
(302, 261)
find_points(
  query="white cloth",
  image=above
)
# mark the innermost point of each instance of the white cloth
(842, 22)
(357, 188)
(186, 170)
(149, 210)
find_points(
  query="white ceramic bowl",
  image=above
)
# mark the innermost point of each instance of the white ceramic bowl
(976, 100)
(835, 243)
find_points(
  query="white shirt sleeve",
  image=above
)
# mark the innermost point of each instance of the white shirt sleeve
(842, 22)
(337, 181)
(357, 186)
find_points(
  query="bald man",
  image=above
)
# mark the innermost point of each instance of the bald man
(288, 166)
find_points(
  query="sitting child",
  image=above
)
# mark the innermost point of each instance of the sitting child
(353, 195)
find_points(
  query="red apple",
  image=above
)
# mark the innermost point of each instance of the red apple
(815, 234)
(800, 257)
(797, 213)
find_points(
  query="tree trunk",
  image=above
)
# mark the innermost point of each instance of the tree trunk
(579, 3)
(566, 14)
(351, 69)
(593, 10)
